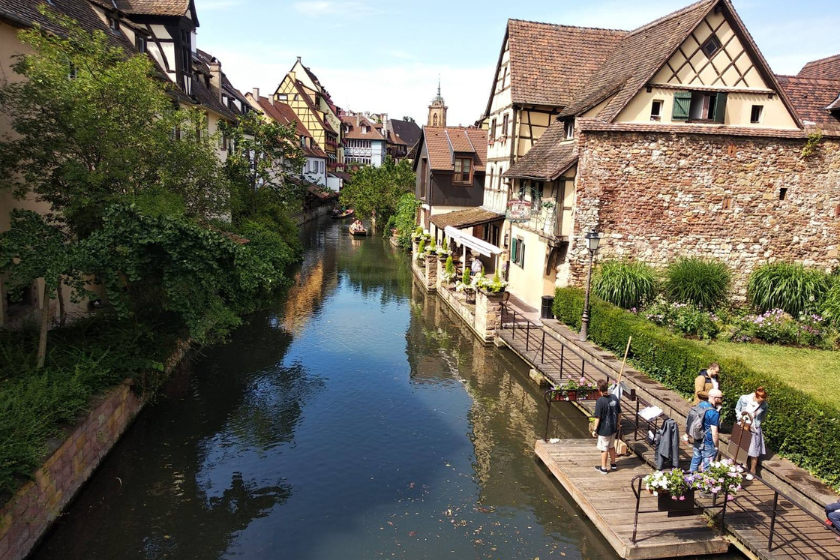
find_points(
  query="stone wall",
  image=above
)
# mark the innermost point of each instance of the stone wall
(657, 196)
(31, 511)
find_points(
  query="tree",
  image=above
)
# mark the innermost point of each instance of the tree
(374, 192)
(408, 119)
(95, 127)
(265, 159)
(31, 249)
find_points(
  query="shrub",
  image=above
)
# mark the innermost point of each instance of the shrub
(701, 282)
(799, 427)
(774, 326)
(787, 286)
(831, 304)
(683, 318)
(624, 283)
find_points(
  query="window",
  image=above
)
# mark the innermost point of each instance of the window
(505, 126)
(114, 24)
(699, 106)
(569, 128)
(434, 120)
(493, 130)
(73, 73)
(303, 141)
(517, 251)
(282, 97)
(140, 43)
(536, 194)
(463, 171)
(656, 110)
(782, 193)
(18, 302)
(755, 114)
(711, 47)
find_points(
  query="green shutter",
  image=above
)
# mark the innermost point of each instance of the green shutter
(682, 105)
(720, 108)
(522, 255)
(513, 247)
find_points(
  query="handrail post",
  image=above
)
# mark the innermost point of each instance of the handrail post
(725, 501)
(513, 334)
(542, 349)
(636, 518)
(547, 416)
(636, 431)
(527, 334)
(582, 367)
(773, 521)
(562, 349)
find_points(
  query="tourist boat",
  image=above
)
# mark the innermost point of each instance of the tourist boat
(357, 229)
(341, 214)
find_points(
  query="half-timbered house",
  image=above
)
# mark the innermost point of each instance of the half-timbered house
(363, 141)
(680, 142)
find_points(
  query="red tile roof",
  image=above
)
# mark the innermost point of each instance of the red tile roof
(443, 143)
(550, 63)
(551, 156)
(824, 68)
(813, 100)
(154, 7)
(284, 114)
(355, 123)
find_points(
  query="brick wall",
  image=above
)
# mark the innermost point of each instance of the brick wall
(27, 516)
(659, 196)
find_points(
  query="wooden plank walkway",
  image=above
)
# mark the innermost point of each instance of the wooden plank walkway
(609, 502)
(797, 535)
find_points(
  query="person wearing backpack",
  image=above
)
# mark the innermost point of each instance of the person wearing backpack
(702, 426)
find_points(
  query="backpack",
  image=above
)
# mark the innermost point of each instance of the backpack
(694, 422)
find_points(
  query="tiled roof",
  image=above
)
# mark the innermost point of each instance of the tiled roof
(284, 114)
(299, 87)
(824, 68)
(465, 218)
(442, 143)
(408, 131)
(597, 125)
(813, 100)
(636, 59)
(642, 53)
(355, 122)
(154, 7)
(394, 139)
(550, 63)
(210, 100)
(548, 159)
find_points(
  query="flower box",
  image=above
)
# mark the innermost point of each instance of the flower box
(667, 502)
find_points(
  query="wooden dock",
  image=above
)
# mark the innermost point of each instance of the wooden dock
(609, 502)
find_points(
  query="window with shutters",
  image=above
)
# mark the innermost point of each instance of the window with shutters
(517, 252)
(700, 106)
(682, 105)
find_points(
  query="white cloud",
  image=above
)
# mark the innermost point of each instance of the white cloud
(354, 9)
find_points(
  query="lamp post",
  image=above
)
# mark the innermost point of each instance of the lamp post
(592, 240)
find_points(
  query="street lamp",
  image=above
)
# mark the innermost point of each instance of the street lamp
(592, 240)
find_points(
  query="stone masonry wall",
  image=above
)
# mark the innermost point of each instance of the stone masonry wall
(655, 197)
(30, 512)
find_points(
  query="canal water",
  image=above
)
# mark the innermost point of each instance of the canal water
(353, 419)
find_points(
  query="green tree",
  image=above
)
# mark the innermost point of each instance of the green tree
(31, 249)
(374, 192)
(408, 119)
(262, 166)
(95, 127)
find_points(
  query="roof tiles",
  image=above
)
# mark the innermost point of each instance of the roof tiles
(442, 151)
(551, 156)
(824, 68)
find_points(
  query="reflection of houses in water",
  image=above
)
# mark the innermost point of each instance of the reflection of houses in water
(310, 288)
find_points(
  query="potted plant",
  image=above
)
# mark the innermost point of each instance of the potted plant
(443, 248)
(448, 274)
(722, 477)
(493, 285)
(674, 488)
(466, 285)
(574, 389)
(421, 250)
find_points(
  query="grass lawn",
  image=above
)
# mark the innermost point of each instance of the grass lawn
(816, 372)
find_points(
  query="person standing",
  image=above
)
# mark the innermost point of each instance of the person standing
(752, 409)
(706, 380)
(476, 266)
(706, 448)
(607, 413)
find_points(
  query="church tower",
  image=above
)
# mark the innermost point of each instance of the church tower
(437, 110)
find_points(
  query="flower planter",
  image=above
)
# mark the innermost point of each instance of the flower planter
(668, 503)
(572, 395)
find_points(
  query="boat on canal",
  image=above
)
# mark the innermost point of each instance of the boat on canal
(341, 214)
(357, 229)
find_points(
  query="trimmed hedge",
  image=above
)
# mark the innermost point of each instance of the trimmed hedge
(798, 426)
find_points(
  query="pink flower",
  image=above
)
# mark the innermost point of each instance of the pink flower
(682, 498)
(583, 380)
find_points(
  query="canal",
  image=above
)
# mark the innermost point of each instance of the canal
(353, 419)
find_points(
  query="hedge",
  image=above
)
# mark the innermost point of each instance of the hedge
(798, 426)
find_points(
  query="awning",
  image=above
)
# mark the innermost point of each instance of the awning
(474, 243)
(465, 218)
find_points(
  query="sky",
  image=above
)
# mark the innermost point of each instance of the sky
(386, 56)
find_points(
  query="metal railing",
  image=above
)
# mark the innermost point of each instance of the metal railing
(571, 363)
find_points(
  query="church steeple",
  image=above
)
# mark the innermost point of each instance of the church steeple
(437, 110)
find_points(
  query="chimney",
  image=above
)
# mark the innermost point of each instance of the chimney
(216, 78)
(256, 93)
(299, 60)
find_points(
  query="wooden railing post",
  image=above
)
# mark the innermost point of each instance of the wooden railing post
(773, 521)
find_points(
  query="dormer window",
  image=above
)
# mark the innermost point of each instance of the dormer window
(303, 141)
(569, 128)
(463, 171)
(711, 47)
(114, 24)
(365, 129)
(140, 43)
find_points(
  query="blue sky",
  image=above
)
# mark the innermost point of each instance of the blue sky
(385, 56)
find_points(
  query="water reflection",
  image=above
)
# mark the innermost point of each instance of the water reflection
(353, 419)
